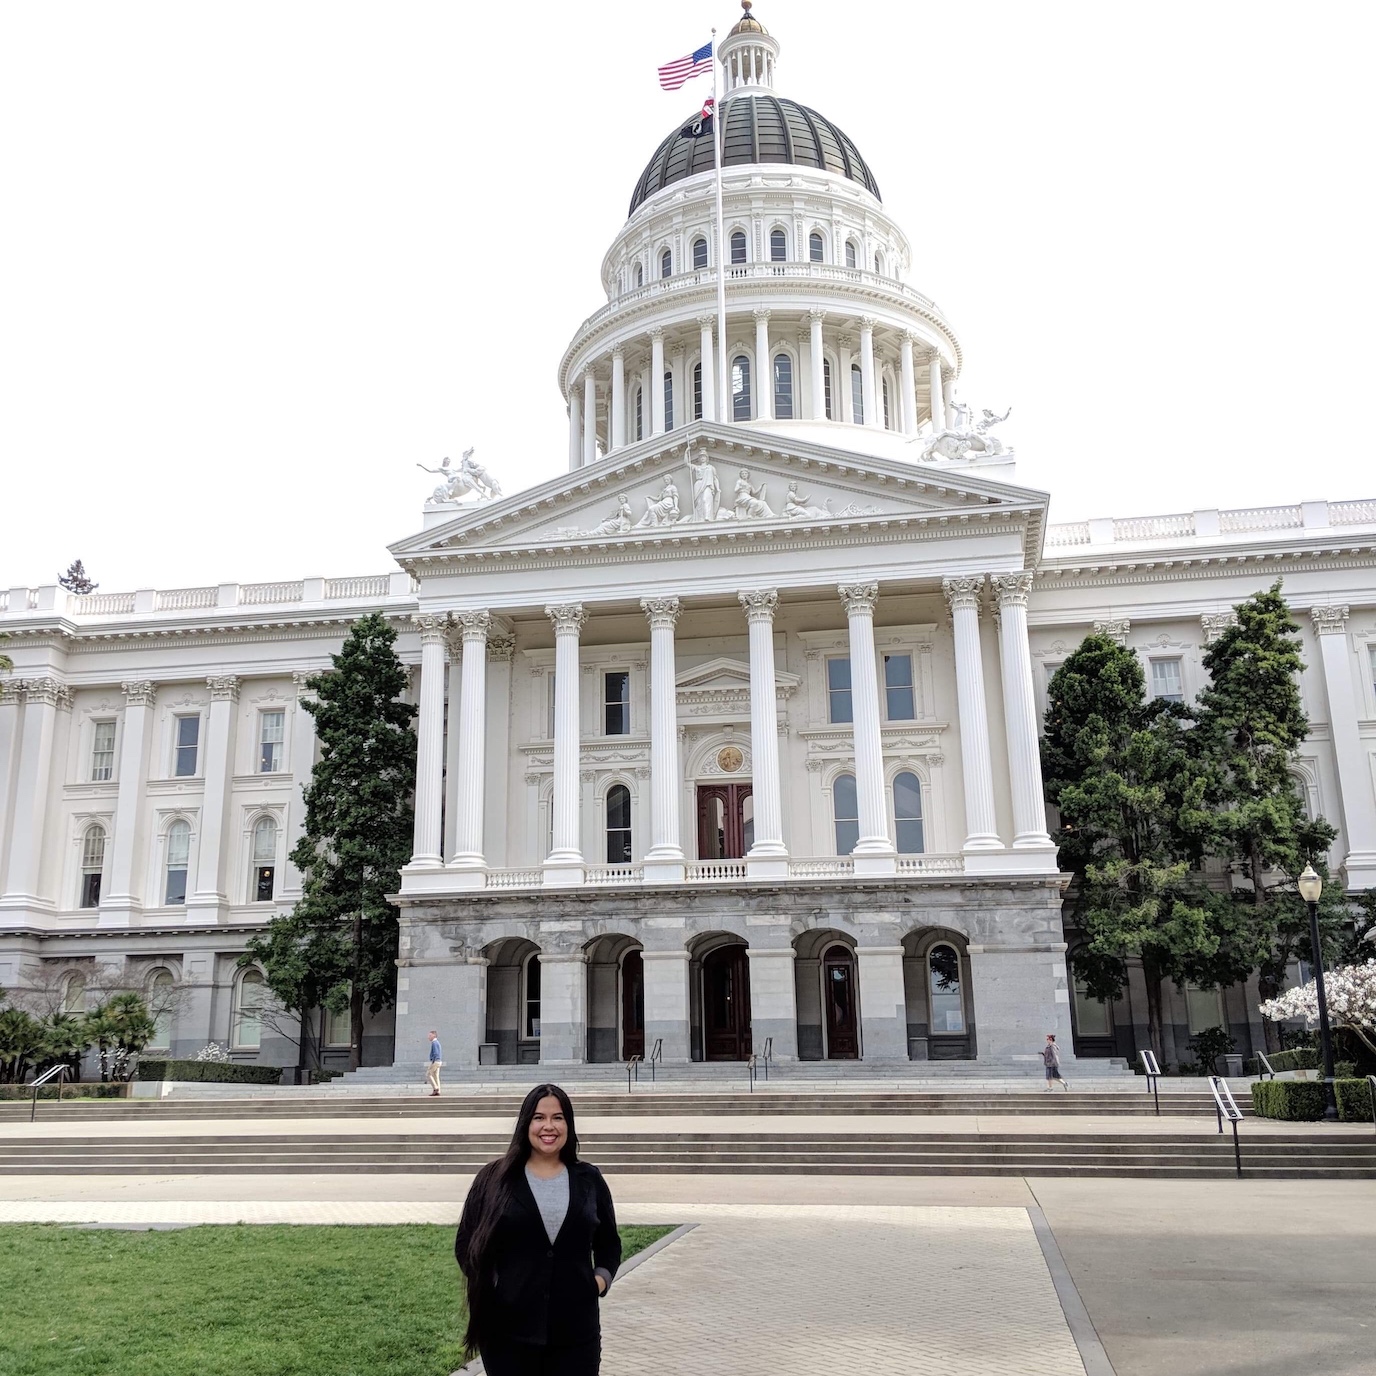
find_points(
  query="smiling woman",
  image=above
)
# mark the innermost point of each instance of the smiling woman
(538, 1246)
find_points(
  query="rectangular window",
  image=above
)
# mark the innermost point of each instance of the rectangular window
(90, 890)
(271, 731)
(1204, 1008)
(617, 700)
(838, 689)
(697, 391)
(1166, 681)
(857, 394)
(668, 401)
(262, 883)
(103, 752)
(899, 699)
(337, 1027)
(188, 739)
(826, 384)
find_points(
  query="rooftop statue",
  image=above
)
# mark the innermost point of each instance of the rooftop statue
(963, 440)
(469, 477)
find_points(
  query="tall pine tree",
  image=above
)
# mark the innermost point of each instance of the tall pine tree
(339, 943)
(1250, 723)
(1130, 795)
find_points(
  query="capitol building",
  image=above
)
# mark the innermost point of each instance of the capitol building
(728, 733)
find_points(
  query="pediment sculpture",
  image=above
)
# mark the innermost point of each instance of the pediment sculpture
(468, 478)
(963, 439)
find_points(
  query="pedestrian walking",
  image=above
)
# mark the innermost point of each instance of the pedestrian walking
(538, 1248)
(432, 1070)
(1051, 1059)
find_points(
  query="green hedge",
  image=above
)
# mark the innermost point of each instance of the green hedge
(1301, 1101)
(1302, 1058)
(214, 1072)
(99, 1090)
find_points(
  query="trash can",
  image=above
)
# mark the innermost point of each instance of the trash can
(1232, 1066)
(487, 1053)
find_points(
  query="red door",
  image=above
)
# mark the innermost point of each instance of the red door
(726, 821)
(726, 1004)
(632, 1006)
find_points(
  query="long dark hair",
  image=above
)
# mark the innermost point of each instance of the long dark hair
(488, 1197)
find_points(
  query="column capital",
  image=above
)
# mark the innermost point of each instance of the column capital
(859, 598)
(815, 317)
(846, 341)
(964, 591)
(501, 647)
(568, 618)
(50, 692)
(910, 338)
(760, 604)
(761, 312)
(867, 324)
(656, 334)
(1012, 588)
(223, 688)
(434, 630)
(301, 682)
(1115, 628)
(618, 352)
(473, 626)
(1215, 623)
(1329, 620)
(661, 611)
(139, 692)
(706, 322)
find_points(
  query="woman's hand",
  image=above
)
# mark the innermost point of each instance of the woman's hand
(601, 1284)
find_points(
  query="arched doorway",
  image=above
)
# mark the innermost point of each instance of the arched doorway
(632, 1005)
(726, 1004)
(839, 1003)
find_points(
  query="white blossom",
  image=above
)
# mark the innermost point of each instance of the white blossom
(1351, 994)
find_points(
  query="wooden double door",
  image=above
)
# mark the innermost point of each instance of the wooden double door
(632, 1006)
(726, 1004)
(726, 821)
(839, 1004)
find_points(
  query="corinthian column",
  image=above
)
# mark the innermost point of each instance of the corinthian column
(869, 388)
(664, 859)
(981, 830)
(764, 369)
(575, 426)
(589, 418)
(121, 904)
(1020, 715)
(564, 864)
(874, 851)
(472, 780)
(618, 420)
(425, 852)
(208, 900)
(909, 408)
(768, 857)
(818, 409)
(709, 376)
(938, 402)
(656, 397)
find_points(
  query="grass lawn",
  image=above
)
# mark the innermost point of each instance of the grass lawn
(237, 1301)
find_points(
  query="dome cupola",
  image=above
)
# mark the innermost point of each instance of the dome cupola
(748, 54)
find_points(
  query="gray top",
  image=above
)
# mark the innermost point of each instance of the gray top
(551, 1198)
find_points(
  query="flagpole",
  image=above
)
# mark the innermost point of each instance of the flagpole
(723, 410)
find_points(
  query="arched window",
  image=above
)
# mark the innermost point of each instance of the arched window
(640, 413)
(845, 810)
(668, 401)
(530, 995)
(740, 388)
(888, 425)
(264, 860)
(697, 391)
(247, 1024)
(826, 384)
(640, 274)
(177, 862)
(816, 248)
(783, 387)
(92, 862)
(738, 246)
(699, 253)
(857, 394)
(947, 1005)
(160, 1005)
(778, 246)
(666, 264)
(907, 813)
(852, 257)
(618, 825)
(74, 995)
(879, 263)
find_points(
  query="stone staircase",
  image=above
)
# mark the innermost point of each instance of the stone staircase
(1301, 1154)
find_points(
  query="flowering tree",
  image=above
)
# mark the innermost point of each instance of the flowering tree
(1351, 991)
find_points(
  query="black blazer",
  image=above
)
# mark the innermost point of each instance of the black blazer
(547, 1293)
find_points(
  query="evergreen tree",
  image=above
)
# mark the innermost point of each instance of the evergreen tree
(1251, 722)
(1118, 767)
(339, 943)
(76, 580)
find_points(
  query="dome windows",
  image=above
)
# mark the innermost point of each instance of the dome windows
(666, 263)
(852, 254)
(640, 274)
(738, 246)
(783, 387)
(778, 246)
(740, 388)
(816, 247)
(699, 253)
(857, 394)
(697, 390)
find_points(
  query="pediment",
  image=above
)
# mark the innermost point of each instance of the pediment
(711, 484)
(720, 678)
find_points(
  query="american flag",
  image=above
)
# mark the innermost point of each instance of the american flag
(673, 74)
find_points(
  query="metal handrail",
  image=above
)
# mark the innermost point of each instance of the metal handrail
(632, 1067)
(1264, 1066)
(767, 1055)
(750, 1068)
(656, 1056)
(1371, 1086)
(61, 1071)
(1152, 1071)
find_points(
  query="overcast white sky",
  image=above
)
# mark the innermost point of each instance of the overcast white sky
(260, 259)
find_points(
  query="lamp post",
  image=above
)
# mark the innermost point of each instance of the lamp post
(1311, 886)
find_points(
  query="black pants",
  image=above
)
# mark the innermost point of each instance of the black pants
(528, 1359)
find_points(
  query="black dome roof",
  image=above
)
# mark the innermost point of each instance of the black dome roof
(759, 129)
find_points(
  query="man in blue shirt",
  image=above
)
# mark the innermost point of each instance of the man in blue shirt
(432, 1071)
